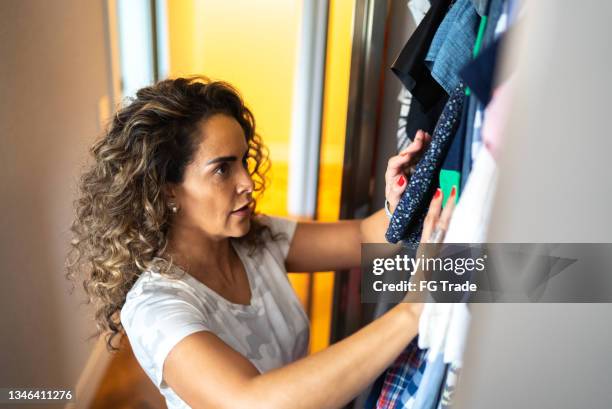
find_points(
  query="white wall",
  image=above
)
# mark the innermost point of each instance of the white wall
(554, 187)
(53, 76)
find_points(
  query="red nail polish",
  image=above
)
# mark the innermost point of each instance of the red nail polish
(401, 181)
(438, 192)
(453, 191)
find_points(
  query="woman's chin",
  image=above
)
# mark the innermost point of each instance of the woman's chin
(240, 228)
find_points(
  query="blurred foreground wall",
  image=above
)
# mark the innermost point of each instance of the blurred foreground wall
(554, 187)
(53, 87)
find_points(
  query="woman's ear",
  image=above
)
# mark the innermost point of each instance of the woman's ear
(169, 191)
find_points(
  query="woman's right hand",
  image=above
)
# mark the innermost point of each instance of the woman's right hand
(400, 165)
(435, 227)
(437, 219)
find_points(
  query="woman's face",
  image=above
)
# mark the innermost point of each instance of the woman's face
(216, 193)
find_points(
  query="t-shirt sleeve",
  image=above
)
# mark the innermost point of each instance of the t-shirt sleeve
(284, 226)
(155, 320)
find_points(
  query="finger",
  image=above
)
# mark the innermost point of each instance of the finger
(447, 213)
(416, 145)
(406, 154)
(425, 140)
(418, 151)
(401, 161)
(406, 159)
(397, 188)
(396, 164)
(420, 135)
(433, 214)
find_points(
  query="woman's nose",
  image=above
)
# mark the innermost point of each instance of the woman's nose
(245, 184)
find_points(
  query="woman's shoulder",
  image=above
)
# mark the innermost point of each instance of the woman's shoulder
(153, 289)
(158, 312)
(154, 280)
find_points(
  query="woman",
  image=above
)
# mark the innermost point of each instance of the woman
(174, 254)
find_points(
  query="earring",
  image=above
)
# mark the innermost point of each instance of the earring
(173, 208)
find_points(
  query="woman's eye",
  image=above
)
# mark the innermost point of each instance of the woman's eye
(222, 169)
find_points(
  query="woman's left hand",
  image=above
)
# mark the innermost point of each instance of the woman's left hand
(398, 168)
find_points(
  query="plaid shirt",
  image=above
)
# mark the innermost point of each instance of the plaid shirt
(403, 377)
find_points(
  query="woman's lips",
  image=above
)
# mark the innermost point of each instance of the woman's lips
(243, 211)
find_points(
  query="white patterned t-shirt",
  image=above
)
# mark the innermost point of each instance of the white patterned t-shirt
(272, 331)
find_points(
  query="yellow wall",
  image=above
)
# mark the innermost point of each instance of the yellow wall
(252, 45)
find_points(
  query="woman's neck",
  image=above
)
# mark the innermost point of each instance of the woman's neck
(200, 254)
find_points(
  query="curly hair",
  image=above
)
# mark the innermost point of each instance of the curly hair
(122, 216)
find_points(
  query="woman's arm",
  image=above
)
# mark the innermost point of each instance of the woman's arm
(318, 246)
(206, 373)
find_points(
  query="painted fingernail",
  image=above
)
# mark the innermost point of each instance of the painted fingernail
(453, 191)
(438, 193)
(401, 181)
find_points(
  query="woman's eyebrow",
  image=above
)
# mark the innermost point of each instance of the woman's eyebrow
(222, 159)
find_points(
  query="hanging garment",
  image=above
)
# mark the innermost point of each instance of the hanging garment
(514, 9)
(476, 132)
(375, 391)
(468, 141)
(433, 326)
(495, 11)
(456, 334)
(499, 18)
(407, 221)
(422, 98)
(480, 6)
(413, 383)
(496, 8)
(472, 102)
(418, 9)
(444, 327)
(471, 215)
(481, 74)
(450, 384)
(451, 48)
(403, 137)
(490, 58)
(406, 129)
(496, 118)
(453, 44)
(419, 119)
(443, 330)
(432, 382)
(450, 175)
(410, 65)
(403, 375)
